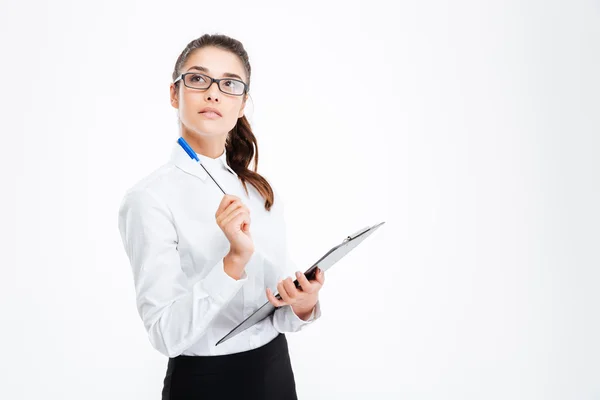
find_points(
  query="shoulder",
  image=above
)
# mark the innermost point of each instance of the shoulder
(278, 200)
(152, 181)
(149, 190)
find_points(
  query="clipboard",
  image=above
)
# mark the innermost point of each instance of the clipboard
(324, 263)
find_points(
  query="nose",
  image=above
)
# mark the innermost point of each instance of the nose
(212, 92)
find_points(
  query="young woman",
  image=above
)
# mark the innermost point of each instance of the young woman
(203, 261)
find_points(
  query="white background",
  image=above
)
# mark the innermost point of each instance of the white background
(471, 128)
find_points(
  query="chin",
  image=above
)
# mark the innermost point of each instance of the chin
(207, 131)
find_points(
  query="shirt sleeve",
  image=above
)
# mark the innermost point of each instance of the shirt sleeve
(284, 319)
(175, 310)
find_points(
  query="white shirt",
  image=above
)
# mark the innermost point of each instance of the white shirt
(184, 297)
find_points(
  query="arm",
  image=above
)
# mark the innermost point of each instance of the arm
(284, 318)
(175, 311)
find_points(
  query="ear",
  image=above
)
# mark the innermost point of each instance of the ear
(174, 97)
(241, 113)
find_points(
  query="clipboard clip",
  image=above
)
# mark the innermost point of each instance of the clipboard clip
(357, 233)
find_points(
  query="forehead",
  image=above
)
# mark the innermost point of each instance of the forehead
(217, 61)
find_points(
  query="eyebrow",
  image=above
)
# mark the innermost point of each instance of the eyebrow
(225, 74)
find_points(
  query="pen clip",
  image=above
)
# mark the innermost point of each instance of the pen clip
(357, 233)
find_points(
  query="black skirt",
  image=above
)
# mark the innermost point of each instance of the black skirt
(262, 373)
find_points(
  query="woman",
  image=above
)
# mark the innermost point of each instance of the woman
(203, 261)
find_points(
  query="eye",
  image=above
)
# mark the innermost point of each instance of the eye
(234, 84)
(197, 78)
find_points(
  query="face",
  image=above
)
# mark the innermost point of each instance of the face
(216, 63)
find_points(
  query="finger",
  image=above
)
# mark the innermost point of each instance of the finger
(274, 300)
(246, 221)
(226, 211)
(235, 204)
(291, 289)
(225, 202)
(320, 277)
(283, 293)
(231, 208)
(304, 282)
(234, 210)
(237, 214)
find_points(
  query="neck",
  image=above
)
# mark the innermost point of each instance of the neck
(208, 146)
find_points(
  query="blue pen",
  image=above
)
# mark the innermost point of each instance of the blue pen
(194, 157)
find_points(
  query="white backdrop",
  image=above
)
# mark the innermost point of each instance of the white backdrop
(471, 128)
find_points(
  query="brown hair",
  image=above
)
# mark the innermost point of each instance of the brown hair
(241, 143)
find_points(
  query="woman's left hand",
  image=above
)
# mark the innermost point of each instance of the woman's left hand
(302, 299)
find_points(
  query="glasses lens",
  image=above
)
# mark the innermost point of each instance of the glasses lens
(232, 86)
(197, 81)
(201, 81)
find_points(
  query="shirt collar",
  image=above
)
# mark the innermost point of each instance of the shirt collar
(183, 161)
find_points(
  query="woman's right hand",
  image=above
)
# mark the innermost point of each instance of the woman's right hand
(233, 217)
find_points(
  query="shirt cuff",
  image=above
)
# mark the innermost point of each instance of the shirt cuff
(311, 318)
(221, 286)
(285, 320)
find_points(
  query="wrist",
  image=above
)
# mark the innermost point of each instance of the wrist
(303, 313)
(234, 265)
(238, 257)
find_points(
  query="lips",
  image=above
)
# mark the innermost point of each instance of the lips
(209, 111)
(210, 115)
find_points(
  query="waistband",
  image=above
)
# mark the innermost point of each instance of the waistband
(246, 359)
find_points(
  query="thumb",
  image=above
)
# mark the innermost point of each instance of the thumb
(320, 276)
(245, 227)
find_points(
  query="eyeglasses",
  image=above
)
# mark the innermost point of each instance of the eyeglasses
(195, 80)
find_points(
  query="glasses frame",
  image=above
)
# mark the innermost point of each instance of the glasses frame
(212, 80)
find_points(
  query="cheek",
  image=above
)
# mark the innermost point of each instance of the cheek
(231, 113)
(189, 104)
